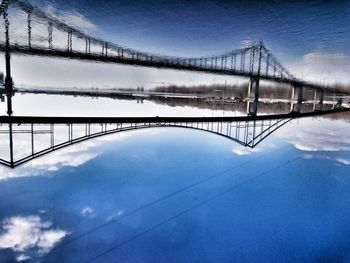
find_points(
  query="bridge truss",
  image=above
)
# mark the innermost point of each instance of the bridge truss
(24, 138)
(27, 141)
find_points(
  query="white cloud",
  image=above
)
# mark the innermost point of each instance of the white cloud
(322, 140)
(61, 159)
(51, 163)
(72, 156)
(311, 135)
(72, 18)
(343, 161)
(241, 150)
(314, 145)
(321, 66)
(22, 257)
(25, 234)
(246, 43)
(48, 239)
(87, 211)
(39, 28)
(115, 215)
(308, 156)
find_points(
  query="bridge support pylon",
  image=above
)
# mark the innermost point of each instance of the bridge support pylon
(337, 103)
(296, 99)
(318, 106)
(253, 96)
(8, 78)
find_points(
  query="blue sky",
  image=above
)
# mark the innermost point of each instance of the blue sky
(284, 201)
(297, 211)
(207, 27)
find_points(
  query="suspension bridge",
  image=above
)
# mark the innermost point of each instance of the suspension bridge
(255, 62)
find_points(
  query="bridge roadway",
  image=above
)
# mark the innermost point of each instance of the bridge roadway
(160, 64)
(159, 120)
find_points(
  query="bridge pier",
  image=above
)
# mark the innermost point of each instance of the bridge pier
(253, 89)
(297, 94)
(9, 102)
(337, 103)
(8, 78)
(314, 102)
(318, 106)
(253, 96)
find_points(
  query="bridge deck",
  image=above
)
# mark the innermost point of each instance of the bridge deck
(173, 65)
(58, 120)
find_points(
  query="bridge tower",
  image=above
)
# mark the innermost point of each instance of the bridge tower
(254, 82)
(8, 78)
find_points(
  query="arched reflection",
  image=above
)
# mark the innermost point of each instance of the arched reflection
(25, 138)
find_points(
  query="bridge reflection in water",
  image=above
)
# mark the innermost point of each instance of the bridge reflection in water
(25, 138)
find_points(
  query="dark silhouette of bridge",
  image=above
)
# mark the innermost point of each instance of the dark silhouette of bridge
(39, 136)
(50, 135)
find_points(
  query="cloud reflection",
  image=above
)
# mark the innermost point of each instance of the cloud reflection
(72, 18)
(343, 161)
(241, 150)
(317, 135)
(72, 156)
(29, 236)
(86, 211)
(317, 65)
